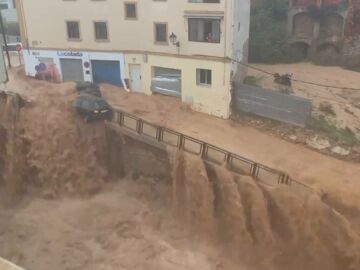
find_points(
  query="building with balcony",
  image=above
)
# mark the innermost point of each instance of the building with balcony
(8, 11)
(185, 48)
(7, 4)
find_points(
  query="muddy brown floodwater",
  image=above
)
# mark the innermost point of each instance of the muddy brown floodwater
(62, 205)
(123, 227)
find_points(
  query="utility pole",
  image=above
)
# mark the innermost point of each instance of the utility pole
(4, 37)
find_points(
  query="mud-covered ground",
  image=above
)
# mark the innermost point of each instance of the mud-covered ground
(345, 103)
(337, 109)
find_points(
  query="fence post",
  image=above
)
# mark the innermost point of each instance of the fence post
(117, 117)
(182, 142)
(159, 134)
(204, 151)
(121, 120)
(139, 126)
(288, 181)
(228, 160)
(254, 172)
(281, 179)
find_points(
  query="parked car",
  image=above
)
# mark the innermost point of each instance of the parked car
(89, 88)
(92, 108)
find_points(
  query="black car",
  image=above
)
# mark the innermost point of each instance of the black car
(92, 108)
(88, 88)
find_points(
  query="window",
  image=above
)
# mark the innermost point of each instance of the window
(203, 77)
(204, 1)
(73, 30)
(161, 35)
(204, 30)
(101, 31)
(4, 6)
(130, 10)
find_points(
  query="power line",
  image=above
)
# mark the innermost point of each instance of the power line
(295, 80)
(252, 67)
(325, 85)
(301, 90)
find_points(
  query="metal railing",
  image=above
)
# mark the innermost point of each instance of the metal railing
(207, 151)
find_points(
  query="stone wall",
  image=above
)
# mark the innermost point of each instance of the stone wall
(351, 52)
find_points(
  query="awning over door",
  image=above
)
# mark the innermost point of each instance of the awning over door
(72, 70)
(166, 81)
(106, 72)
(204, 14)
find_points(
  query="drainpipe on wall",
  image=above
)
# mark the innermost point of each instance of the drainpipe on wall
(123, 80)
(4, 39)
(225, 41)
(22, 24)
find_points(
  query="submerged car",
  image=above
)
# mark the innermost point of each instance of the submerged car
(92, 108)
(88, 88)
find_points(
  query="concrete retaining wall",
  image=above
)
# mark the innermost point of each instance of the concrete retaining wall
(271, 104)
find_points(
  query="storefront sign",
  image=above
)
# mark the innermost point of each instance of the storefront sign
(69, 54)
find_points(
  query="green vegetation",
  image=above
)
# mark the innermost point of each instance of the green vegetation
(252, 80)
(339, 135)
(327, 109)
(269, 35)
(352, 67)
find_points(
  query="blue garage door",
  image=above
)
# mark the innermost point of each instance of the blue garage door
(106, 72)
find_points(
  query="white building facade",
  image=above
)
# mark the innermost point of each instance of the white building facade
(8, 10)
(184, 48)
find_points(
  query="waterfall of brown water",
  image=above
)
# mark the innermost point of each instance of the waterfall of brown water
(262, 227)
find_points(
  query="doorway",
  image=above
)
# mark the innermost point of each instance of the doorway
(135, 78)
(105, 71)
(166, 81)
(72, 70)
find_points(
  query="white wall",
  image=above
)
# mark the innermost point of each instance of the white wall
(46, 28)
(213, 99)
(9, 15)
(8, 2)
(241, 30)
(31, 58)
